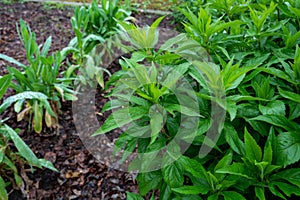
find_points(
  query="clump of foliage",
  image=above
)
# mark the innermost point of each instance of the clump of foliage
(18, 153)
(41, 75)
(93, 25)
(251, 77)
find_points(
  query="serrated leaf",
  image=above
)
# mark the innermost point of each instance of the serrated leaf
(238, 169)
(233, 140)
(253, 151)
(273, 107)
(148, 181)
(294, 110)
(225, 161)
(165, 191)
(120, 118)
(287, 189)
(191, 190)
(173, 174)
(278, 120)
(288, 148)
(193, 167)
(231, 108)
(290, 175)
(289, 95)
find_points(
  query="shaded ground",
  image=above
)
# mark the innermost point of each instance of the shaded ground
(80, 176)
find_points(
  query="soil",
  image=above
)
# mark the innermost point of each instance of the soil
(80, 175)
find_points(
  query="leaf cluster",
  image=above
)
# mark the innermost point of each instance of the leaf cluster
(239, 61)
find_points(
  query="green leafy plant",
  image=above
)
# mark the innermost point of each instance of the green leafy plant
(41, 75)
(21, 154)
(247, 87)
(258, 169)
(93, 25)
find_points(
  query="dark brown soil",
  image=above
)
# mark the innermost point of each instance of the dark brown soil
(80, 176)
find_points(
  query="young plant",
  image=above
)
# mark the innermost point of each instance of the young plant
(41, 75)
(19, 153)
(93, 25)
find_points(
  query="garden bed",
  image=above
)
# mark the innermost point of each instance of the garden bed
(212, 113)
(80, 175)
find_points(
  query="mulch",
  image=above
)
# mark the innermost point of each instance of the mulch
(81, 175)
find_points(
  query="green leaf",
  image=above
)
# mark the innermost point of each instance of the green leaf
(148, 181)
(213, 197)
(233, 140)
(268, 151)
(292, 40)
(279, 73)
(191, 190)
(46, 46)
(276, 192)
(290, 175)
(288, 148)
(233, 75)
(47, 164)
(11, 60)
(120, 118)
(253, 151)
(175, 75)
(289, 95)
(21, 78)
(129, 148)
(287, 189)
(231, 108)
(294, 110)
(274, 107)
(193, 167)
(173, 174)
(90, 67)
(156, 121)
(260, 193)
(182, 109)
(133, 196)
(23, 149)
(278, 120)
(225, 161)
(231, 195)
(165, 191)
(24, 95)
(3, 193)
(238, 169)
(4, 84)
